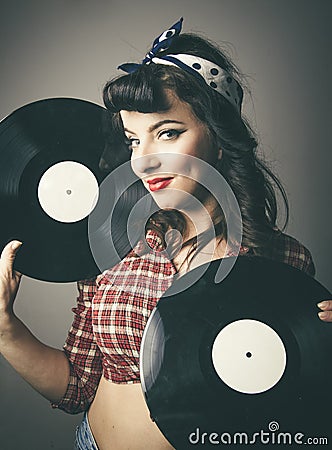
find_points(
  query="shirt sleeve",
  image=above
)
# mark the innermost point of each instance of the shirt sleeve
(291, 251)
(84, 356)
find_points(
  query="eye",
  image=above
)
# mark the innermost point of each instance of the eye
(167, 135)
(132, 143)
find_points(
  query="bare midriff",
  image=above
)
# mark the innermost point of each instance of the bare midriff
(120, 420)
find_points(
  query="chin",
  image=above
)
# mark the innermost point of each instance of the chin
(165, 204)
(174, 199)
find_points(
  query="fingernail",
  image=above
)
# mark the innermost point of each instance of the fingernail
(16, 245)
(321, 305)
(323, 315)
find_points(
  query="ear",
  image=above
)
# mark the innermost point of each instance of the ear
(219, 154)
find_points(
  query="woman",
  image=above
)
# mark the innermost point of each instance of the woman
(172, 112)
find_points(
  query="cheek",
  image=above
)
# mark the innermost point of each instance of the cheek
(187, 167)
(203, 147)
(208, 151)
(197, 170)
(179, 165)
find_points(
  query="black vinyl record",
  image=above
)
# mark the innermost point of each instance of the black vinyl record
(49, 177)
(244, 361)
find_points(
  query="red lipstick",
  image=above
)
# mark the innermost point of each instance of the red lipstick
(158, 183)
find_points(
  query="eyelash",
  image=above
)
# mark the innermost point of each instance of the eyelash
(175, 133)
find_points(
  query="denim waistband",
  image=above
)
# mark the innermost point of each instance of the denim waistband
(84, 436)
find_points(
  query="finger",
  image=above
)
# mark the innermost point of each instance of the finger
(9, 252)
(326, 305)
(325, 316)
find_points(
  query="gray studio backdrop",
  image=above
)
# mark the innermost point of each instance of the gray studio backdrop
(69, 48)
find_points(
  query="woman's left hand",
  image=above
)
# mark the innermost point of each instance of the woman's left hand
(326, 310)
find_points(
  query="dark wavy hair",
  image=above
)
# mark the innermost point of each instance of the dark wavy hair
(252, 182)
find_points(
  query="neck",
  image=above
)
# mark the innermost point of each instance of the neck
(202, 219)
(200, 222)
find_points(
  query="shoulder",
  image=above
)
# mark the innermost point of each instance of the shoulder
(146, 259)
(290, 251)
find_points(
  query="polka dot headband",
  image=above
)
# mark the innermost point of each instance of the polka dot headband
(214, 76)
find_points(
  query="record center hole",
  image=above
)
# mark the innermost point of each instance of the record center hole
(68, 191)
(248, 354)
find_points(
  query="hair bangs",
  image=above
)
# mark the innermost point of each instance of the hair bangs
(140, 91)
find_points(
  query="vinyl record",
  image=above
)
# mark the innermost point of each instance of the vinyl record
(49, 182)
(222, 364)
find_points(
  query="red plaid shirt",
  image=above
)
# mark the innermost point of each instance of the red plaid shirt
(111, 314)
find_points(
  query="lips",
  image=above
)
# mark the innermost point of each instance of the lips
(159, 183)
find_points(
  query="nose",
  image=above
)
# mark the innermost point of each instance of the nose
(145, 161)
(144, 165)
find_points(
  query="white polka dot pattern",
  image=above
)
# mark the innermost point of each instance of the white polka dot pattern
(214, 76)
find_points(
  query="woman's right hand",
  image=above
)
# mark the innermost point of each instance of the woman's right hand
(45, 368)
(9, 278)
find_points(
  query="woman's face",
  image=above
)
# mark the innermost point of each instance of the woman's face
(163, 146)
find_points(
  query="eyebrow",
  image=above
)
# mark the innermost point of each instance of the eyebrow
(157, 125)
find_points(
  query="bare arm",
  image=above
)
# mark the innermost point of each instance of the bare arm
(44, 367)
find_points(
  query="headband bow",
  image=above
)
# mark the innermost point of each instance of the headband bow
(161, 43)
(214, 76)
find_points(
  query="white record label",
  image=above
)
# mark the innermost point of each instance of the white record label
(68, 191)
(249, 356)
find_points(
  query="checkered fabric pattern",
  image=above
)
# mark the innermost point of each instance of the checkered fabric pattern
(112, 311)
